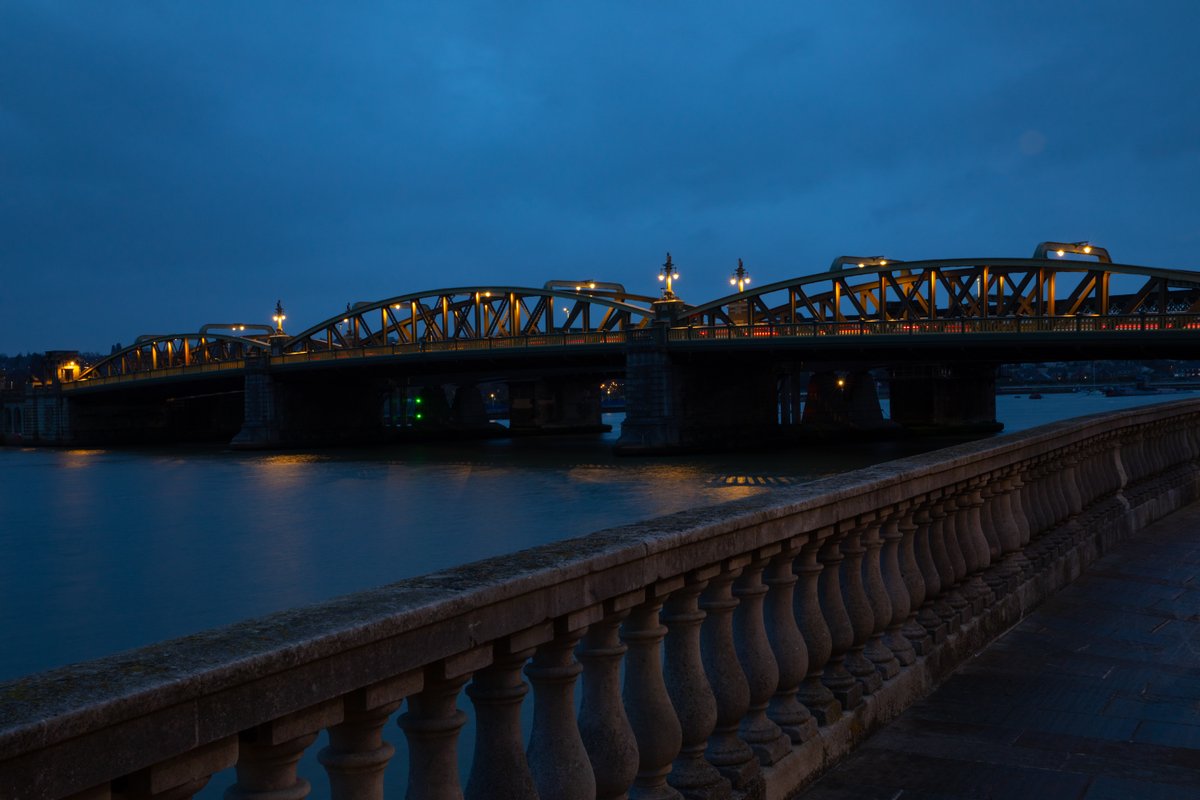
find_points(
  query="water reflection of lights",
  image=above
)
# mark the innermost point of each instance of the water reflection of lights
(76, 459)
(288, 459)
(753, 480)
(284, 470)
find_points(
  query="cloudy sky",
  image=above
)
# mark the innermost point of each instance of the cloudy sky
(164, 165)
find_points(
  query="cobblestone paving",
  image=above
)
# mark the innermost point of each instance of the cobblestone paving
(1095, 696)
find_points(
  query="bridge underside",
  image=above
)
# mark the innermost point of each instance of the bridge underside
(684, 390)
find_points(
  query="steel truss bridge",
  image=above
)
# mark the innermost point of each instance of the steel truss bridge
(917, 300)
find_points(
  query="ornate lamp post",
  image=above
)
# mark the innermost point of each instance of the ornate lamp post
(740, 277)
(279, 317)
(668, 274)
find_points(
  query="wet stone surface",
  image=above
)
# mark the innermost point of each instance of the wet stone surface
(1096, 695)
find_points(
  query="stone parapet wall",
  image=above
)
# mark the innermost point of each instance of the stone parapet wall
(733, 651)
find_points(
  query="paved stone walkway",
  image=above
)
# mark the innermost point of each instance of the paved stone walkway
(1096, 695)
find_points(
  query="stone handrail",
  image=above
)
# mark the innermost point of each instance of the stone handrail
(759, 640)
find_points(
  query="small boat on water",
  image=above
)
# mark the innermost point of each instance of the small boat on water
(1035, 395)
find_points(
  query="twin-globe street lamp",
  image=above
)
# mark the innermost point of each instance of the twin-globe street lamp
(670, 273)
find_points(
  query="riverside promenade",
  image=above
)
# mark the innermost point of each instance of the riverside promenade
(1096, 695)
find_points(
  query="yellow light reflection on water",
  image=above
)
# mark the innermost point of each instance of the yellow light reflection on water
(79, 458)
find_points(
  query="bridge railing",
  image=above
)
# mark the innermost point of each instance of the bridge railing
(162, 372)
(949, 325)
(462, 345)
(1140, 323)
(713, 645)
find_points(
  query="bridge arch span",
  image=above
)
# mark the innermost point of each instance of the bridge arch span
(958, 288)
(163, 351)
(470, 312)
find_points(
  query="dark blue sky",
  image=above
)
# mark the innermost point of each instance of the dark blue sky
(165, 165)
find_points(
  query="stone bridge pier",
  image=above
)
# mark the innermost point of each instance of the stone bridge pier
(673, 403)
(285, 410)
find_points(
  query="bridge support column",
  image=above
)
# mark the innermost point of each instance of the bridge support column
(945, 398)
(651, 399)
(302, 409)
(48, 417)
(674, 404)
(260, 421)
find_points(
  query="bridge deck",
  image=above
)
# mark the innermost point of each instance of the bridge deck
(1096, 695)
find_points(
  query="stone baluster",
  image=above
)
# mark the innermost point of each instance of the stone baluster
(1131, 455)
(779, 614)
(1099, 477)
(357, 754)
(178, 778)
(990, 514)
(1048, 488)
(902, 578)
(1058, 490)
(1027, 504)
(858, 606)
(927, 612)
(603, 725)
(1118, 478)
(1110, 466)
(989, 486)
(1130, 447)
(431, 725)
(726, 750)
(957, 526)
(841, 632)
(879, 654)
(1007, 528)
(758, 662)
(1041, 513)
(1017, 509)
(1091, 474)
(498, 768)
(1072, 493)
(1091, 484)
(1153, 449)
(946, 605)
(1046, 514)
(1107, 477)
(969, 521)
(813, 693)
(651, 715)
(957, 590)
(1062, 533)
(269, 753)
(557, 758)
(691, 696)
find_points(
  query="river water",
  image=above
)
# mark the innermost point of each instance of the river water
(105, 550)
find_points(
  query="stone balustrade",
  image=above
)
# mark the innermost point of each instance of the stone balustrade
(734, 651)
